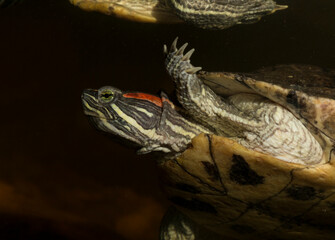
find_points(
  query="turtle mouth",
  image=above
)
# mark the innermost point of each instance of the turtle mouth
(94, 113)
(89, 99)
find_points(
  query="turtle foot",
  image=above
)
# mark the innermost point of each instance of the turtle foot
(177, 63)
(176, 226)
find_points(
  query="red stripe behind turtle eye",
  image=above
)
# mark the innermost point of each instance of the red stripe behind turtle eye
(144, 96)
(168, 101)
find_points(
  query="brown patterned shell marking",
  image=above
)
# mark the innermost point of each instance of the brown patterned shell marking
(244, 194)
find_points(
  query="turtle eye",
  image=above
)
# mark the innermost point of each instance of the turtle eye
(106, 95)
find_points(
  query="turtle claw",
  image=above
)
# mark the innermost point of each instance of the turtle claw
(188, 55)
(181, 49)
(177, 63)
(174, 45)
(165, 51)
(280, 7)
(193, 70)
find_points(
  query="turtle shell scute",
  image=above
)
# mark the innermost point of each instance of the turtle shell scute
(245, 194)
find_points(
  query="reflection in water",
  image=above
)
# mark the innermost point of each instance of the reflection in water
(75, 211)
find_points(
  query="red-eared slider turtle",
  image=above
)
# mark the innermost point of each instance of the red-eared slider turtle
(210, 14)
(252, 157)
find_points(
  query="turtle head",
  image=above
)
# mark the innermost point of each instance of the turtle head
(145, 120)
(254, 10)
(133, 117)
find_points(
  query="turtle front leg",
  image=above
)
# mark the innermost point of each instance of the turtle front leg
(197, 98)
(248, 118)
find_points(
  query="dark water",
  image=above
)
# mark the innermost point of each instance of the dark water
(60, 179)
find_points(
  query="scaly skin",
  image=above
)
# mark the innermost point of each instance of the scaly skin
(207, 14)
(250, 119)
(221, 14)
(146, 120)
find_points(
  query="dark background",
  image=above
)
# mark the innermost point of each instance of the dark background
(61, 179)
